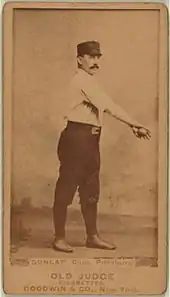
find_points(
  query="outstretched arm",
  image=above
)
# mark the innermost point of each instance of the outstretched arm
(104, 103)
(138, 129)
(117, 112)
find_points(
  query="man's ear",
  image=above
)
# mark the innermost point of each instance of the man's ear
(79, 60)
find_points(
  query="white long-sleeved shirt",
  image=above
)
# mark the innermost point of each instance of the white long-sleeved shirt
(87, 101)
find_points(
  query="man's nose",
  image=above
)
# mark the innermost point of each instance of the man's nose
(95, 60)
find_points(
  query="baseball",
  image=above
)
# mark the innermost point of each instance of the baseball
(142, 131)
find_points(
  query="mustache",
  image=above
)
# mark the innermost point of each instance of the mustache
(95, 66)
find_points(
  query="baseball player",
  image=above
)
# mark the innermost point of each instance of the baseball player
(78, 147)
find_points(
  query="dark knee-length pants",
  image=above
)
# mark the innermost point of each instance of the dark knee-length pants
(79, 155)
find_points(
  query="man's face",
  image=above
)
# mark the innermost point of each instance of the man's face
(90, 64)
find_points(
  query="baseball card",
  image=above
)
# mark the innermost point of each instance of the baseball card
(85, 148)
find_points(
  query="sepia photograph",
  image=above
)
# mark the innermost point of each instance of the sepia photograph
(85, 146)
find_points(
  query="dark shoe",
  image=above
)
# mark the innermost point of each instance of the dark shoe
(96, 242)
(62, 246)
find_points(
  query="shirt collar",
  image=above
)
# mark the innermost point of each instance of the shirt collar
(83, 73)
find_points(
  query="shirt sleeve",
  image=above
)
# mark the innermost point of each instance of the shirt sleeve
(99, 98)
(91, 91)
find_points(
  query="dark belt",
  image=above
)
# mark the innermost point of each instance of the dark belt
(94, 130)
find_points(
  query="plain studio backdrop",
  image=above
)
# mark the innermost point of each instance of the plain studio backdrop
(44, 61)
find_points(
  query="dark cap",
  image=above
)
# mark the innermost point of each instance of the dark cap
(91, 48)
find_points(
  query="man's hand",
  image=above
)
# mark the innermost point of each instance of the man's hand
(141, 132)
